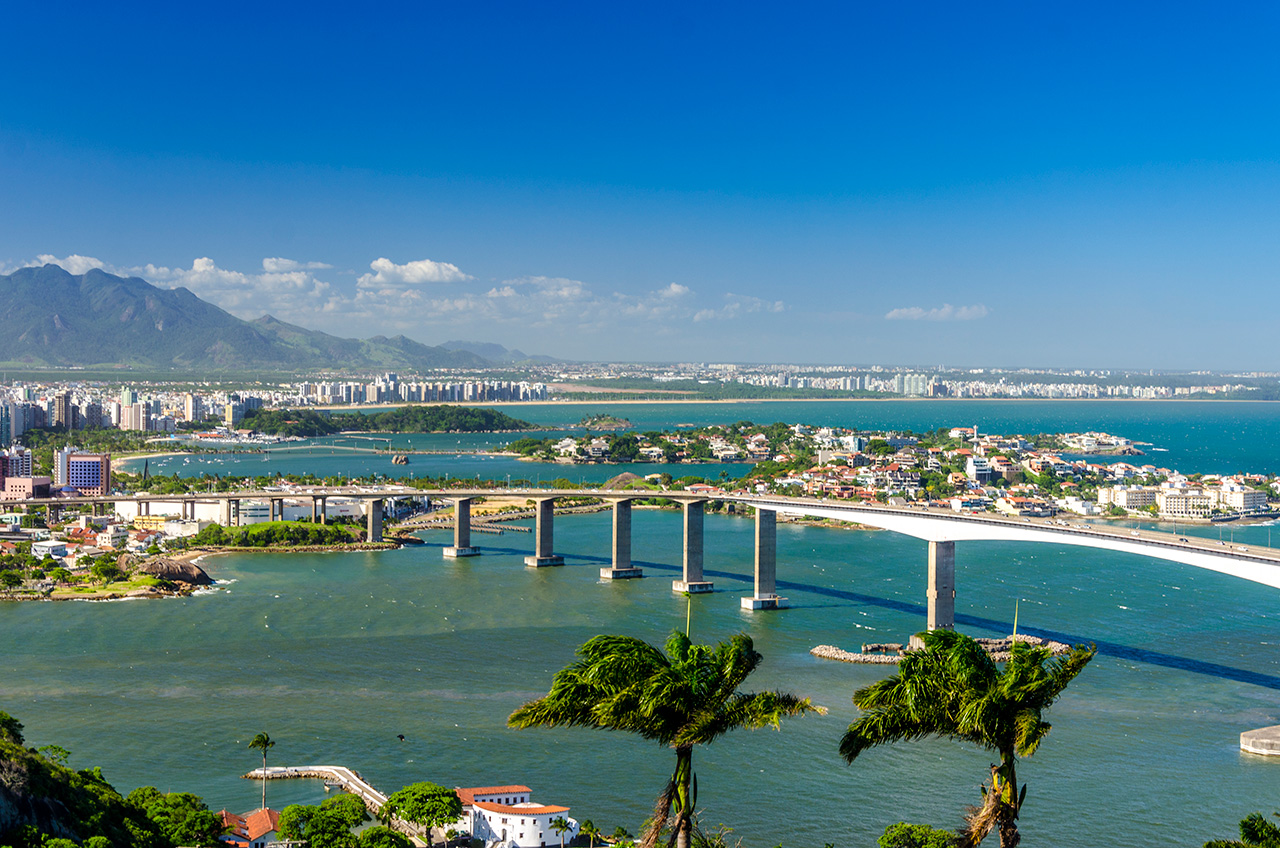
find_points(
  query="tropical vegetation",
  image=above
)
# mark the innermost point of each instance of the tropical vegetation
(427, 805)
(954, 689)
(1255, 832)
(262, 742)
(684, 696)
(441, 418)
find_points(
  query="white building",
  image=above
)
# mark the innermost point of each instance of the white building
(1241, 498)
(504, 814)
(55, 549)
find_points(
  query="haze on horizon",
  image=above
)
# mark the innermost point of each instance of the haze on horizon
(1087, 186)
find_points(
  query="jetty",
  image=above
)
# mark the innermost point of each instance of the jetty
(344, 778)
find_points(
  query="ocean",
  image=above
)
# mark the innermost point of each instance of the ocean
(335, 654)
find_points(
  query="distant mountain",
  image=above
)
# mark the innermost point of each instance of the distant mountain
(497, 353)
(52, 317)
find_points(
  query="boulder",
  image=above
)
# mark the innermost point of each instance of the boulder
(175, 571)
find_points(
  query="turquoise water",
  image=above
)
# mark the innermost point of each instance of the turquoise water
(335, 654)
(1204, 437)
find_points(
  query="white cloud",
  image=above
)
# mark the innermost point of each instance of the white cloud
(280, 265)
(946, 312)
(73, 264)
(736, 305)
(397, 298)
(388, 274)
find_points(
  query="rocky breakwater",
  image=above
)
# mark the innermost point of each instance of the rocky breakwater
(891, 653)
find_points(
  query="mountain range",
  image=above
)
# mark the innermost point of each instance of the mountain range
(55, 318)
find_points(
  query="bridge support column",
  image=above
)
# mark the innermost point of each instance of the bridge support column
(942, 586)
(766, 594)
(461, 530)
(543, 533)
(324, 510)
(145, 507)
(374, 519)
(314, 504)
(226, 513)
(622, 568)
(691, 581)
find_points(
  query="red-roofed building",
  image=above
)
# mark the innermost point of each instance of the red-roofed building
(252, 830)
(506, 814)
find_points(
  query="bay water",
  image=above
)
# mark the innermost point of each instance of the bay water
(336, 654)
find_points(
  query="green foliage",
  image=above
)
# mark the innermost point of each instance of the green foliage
(273, 534)
(903, 835)
(954, 689)
(406, 419)
(78, 804)
(55, 753)
(348, 808)
(183, 818)
(381, 836)
(426, 804)
(10, 729)
(1255, 832)
(684, 696)
(319, 827)
(624, 448)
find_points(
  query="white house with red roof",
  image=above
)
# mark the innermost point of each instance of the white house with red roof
(505, 815)
(252, 830)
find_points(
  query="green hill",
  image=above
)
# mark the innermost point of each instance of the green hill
(54, 318)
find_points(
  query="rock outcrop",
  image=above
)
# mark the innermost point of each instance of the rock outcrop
(175, 572)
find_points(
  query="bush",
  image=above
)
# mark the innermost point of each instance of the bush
(904, 835)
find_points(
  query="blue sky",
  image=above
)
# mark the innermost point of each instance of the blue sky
(1093, 185)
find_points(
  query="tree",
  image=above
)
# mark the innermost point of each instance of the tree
(685, 696)
(954, 689)
(106, 572)
(588, 829)
(183, 818)
(262, 742)
(10, 580)
(903, 835)
(620, 833)
(380, 836)
(560, 826)
(350, 809)
(1255, 832)
(320, 827)
(425, 804)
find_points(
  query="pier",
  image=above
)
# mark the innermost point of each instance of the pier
(348, 780)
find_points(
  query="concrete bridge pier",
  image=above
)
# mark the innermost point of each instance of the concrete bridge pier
(226, 512)
(374, 520)
(324, 510)
(622, 568)
(543, 532)
(942, 586)
(691, 580)
(461, 530)
(766, 591)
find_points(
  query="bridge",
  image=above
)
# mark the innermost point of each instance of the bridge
(940, 528)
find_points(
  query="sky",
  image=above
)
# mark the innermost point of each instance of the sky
(1091, 185)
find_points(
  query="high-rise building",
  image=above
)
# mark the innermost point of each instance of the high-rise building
(65, 413)
(88, 473)
(193, 409)
(135, 416)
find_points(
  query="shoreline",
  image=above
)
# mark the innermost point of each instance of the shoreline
(505, 403)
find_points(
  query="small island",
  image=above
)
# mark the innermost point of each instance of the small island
(443, 418)
(604, 422)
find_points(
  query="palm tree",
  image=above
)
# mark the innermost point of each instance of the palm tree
(954, 689)
(560, 826)
(1255, 832)
(588, 829)
(684, 697)
(262, 742)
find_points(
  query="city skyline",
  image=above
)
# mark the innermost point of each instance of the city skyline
(1009, 188)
